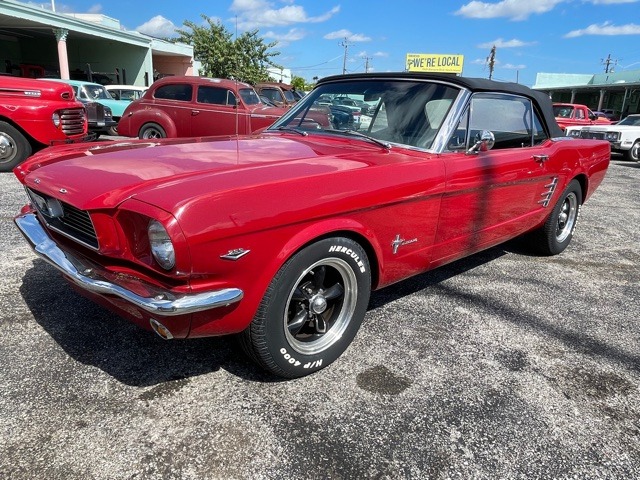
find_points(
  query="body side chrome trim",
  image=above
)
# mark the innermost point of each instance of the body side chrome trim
(85, 276)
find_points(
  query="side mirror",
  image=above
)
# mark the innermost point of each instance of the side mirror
(484, 141)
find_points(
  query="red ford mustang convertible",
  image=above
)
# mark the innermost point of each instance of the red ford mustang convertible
(281, 236)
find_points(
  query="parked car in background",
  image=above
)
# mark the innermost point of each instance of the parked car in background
(611, 114)
(279, 93)
(281, 236)
(624, 136)
(196, 106)
(35, 114)
(568, 114)
(128, 93)
(104, 122)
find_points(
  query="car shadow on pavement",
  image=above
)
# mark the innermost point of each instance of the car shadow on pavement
(94, 336)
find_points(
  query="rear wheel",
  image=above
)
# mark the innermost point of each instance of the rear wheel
(312, 309)
(14, 147)
(556, 233)
(152, 130)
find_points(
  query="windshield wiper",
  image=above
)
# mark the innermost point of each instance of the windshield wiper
(354, 133)
(294, 130)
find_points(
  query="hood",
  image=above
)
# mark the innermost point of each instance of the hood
(262, 109)
(117, 106)
(168, 172)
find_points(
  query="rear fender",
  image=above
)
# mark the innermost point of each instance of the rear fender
(152, 115)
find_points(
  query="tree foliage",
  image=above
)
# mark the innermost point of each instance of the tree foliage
(298, 83)
(245, 58)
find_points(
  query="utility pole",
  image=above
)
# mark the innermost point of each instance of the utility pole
(491, 61)
(366, 64)
(607, 63)
(346, 46)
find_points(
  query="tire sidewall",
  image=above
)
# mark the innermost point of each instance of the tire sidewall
(555, 246)
(154, 126)
(23, 147)
(291, 362)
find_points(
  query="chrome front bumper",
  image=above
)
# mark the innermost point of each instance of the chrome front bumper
(162, 303)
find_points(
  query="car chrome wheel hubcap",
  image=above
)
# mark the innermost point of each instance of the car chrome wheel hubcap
(7, 148)
(567, 217)
(320, 306)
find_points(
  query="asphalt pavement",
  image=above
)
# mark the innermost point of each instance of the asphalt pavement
(502, 365)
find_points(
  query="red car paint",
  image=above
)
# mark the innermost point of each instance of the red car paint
(198, 106)
(29, 106)
(569, 114)
(411, 208)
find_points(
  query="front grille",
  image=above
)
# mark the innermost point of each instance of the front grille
(72, 121)
(592, 135)
(95, 112)
(65, 219)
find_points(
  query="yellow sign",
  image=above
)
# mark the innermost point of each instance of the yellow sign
(425, 62)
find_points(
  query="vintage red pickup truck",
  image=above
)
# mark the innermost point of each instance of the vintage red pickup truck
(281, 236)
(35, 114)
(570, 114)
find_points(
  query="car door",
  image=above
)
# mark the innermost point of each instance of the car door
(217, 113)
(495, 194)
(175, 100)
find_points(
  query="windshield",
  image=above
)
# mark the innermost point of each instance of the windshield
(96, 92)
(562, 111)
(396, 111)
(633, 120)
(249, 96)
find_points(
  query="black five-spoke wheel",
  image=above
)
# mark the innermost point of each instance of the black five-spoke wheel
(312, 309)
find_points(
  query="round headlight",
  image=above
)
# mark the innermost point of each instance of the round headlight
(161, 246)
(56, 119)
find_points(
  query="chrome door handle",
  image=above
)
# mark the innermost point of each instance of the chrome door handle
(541, 158)
(195, 112)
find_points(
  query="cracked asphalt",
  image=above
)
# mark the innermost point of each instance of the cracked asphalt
(502, 365)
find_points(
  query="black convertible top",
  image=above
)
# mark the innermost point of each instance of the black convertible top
(541, 99)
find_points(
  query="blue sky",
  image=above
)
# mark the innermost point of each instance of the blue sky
(531, 36)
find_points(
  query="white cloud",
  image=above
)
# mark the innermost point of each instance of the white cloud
(512, 9)
(611, 2)
(158, 27)
(606, 28)
(500, 43)
(64, 8)
(344, 33)
(510, 66)
(261, 13)
(285, 39)
(381, 54)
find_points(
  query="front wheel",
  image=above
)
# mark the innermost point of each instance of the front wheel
(14, 147)
(633, 154)
(312, 309)
(152, 130)
(556, 233)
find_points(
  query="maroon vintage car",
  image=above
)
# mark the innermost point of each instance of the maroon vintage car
(35, 114)
(281, 236)
(196, 106)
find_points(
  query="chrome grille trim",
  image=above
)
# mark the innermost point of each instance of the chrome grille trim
(592, 135)
(74, 223)
(72, 121)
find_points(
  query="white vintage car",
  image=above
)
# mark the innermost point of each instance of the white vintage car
(624, 136)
